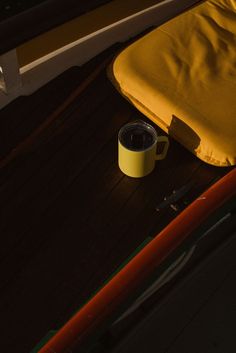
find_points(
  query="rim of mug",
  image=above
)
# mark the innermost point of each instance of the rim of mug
(148, 128)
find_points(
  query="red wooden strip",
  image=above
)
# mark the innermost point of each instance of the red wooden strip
(102, 305)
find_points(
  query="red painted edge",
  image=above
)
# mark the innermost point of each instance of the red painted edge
(132, 275)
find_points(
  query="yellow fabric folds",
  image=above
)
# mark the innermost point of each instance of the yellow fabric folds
(182, 75)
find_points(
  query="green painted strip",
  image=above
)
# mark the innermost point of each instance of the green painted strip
(51, 333)
(136, 251)
(45, 339)
(133, 254)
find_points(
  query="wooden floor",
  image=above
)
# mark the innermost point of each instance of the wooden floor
(69, 217)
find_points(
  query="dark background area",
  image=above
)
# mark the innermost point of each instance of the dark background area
(22, 20)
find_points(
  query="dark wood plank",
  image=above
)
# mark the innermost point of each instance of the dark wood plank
(22, 116)
(94, 183)
(49, 182)
(37, 299)
(91, 194)
(55, 136)
(69, 217)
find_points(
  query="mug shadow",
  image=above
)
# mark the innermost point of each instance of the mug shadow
(180, 131)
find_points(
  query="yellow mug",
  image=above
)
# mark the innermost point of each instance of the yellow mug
(137, 144)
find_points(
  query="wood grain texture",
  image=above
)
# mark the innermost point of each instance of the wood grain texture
(68, 216)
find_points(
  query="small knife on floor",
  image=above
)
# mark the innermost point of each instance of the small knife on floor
(176, 196)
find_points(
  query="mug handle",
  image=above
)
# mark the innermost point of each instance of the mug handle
(163, 154)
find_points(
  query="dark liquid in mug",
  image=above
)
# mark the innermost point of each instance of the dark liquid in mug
(137, 138)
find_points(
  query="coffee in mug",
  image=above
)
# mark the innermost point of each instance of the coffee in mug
(137, 144)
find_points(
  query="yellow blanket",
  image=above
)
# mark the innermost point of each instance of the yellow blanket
(182, 75)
